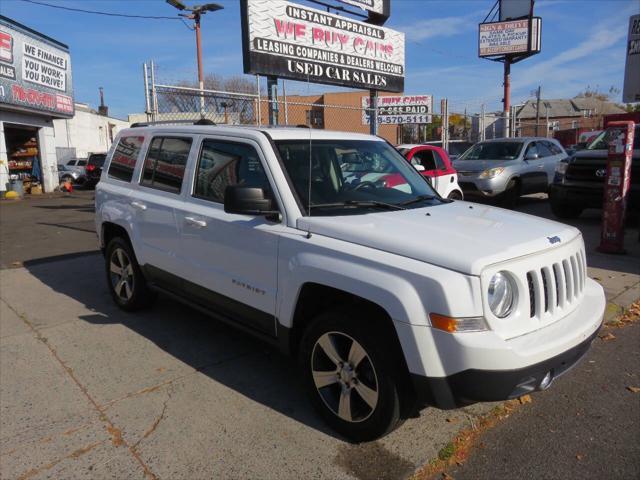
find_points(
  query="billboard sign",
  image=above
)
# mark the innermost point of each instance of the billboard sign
(631, 89)
(35, 72)
(287, 40)
(400, 110)
(509, 38)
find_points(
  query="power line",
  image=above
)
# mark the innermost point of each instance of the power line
(94, 12)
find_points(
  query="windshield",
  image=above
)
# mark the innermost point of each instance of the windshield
(458, 148)
(601, 142)
(353, 176)
(493, 151)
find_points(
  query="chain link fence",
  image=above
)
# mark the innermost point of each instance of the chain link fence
(340, 111)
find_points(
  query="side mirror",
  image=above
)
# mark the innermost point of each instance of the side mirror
(247, 201)
(532, 156)
(419, 167)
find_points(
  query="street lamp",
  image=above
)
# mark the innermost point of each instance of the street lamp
(195, 13)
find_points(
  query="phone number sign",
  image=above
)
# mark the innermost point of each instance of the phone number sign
(399, 110)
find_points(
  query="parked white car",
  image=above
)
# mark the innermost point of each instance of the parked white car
(390, 300)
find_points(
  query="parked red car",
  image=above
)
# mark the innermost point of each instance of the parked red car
(433, 162)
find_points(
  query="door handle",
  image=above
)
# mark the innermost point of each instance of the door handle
(138, 205)
(194, 222)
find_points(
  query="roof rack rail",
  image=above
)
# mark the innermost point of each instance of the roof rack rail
(201, 121)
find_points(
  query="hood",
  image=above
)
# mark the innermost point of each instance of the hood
(599, 154)
(480, 165)
(460, 236)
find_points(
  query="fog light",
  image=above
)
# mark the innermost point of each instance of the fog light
(546, 381)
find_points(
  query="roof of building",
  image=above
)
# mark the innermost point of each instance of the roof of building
(574, 107)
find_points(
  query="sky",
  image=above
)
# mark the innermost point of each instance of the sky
(583, 45)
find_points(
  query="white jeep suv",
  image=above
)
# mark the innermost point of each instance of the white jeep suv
(390, 299)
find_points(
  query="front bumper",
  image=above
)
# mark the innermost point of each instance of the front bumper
(463, 368)
(474, 186)
(472, 386)
(588, 195)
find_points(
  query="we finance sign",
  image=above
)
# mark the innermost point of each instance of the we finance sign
(286, 40)
(35, 72)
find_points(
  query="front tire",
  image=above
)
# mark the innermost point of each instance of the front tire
(511, 194)
(350, 376)
(455, 195)
(127, 284)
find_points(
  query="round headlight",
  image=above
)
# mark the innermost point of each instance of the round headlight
(501, 295)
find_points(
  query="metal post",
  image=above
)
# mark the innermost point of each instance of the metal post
(272, 92)
(199, 54)
(482, 127)
(147, 102)
(538, 111)
(546, 105)
(507, 95)
(259, 109)
(286, 110)
(154, 96)
(373, 112)
(444, 110)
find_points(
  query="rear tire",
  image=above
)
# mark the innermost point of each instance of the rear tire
(127, 284)
(350, 375)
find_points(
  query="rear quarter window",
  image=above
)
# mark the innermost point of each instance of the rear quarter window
(124, 158)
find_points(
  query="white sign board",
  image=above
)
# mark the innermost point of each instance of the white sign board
(507, 38)
(400, 110)
(288, 40)
(631, 89)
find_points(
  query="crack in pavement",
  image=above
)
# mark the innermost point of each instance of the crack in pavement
(156, 422)
(75, 454)
(110, 426)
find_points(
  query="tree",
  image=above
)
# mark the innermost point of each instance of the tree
(590, 92)
(632, 107)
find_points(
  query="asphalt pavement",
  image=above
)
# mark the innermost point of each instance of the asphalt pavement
(88, 391)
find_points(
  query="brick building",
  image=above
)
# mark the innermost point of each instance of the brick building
(330, 111)
(582, 113)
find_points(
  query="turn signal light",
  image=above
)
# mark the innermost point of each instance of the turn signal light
(452, 325)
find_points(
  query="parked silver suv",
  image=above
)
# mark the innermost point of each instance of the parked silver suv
(507, 168)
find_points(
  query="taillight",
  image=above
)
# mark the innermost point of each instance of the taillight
(91, 168)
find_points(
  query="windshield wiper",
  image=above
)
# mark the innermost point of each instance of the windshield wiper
(419, 198)
(359, 203)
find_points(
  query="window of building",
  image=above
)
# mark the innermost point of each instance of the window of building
(124, 158)
(315, 118)
(222, 164)
(165, 163)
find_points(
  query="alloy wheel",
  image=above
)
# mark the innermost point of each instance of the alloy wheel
(121, 273)
(344, 376)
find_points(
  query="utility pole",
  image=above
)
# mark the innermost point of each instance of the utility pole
(481, 132)
(196, 13)
(538, 93)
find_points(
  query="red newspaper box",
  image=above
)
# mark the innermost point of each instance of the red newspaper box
(616, 186)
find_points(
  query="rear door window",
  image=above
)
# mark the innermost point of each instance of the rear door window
(124, 158)
(165, 163)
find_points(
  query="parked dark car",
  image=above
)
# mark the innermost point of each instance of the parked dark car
(456, 147)
(94, 168)
(579, 181)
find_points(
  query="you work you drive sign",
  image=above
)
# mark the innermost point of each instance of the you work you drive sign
(35, 71)
(286, 40)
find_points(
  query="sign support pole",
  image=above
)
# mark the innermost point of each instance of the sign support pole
(507, 95)
(272, 92)
(373, 114)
